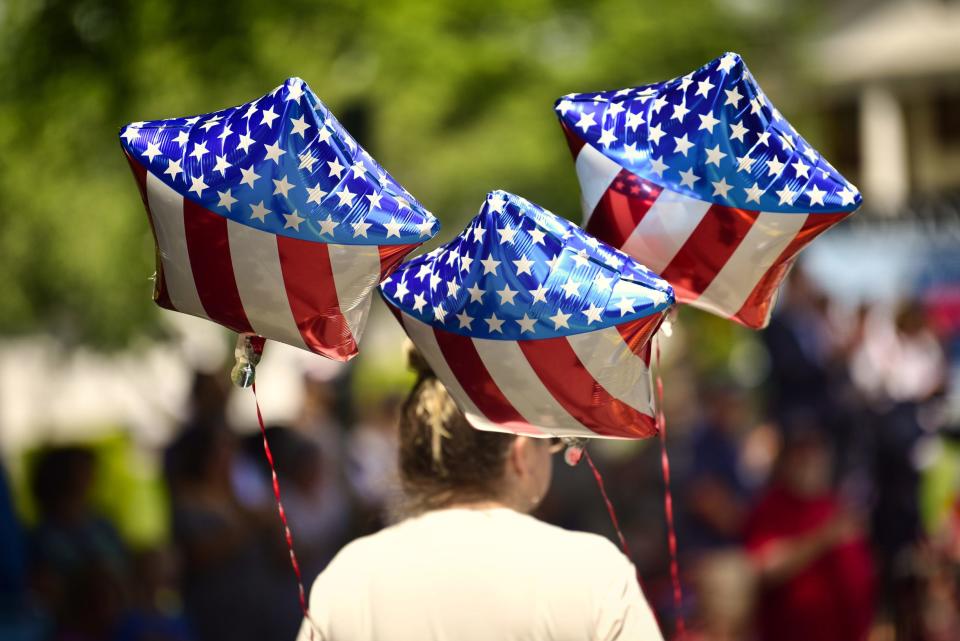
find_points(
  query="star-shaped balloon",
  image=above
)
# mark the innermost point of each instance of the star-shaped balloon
(270, 219)
(705, 182)
(534, 326)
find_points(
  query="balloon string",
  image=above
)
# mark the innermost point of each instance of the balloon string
(668, 506)
(606, 499)
(283, 514)
(613, 515)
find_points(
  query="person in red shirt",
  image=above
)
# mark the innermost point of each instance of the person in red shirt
(816, 575)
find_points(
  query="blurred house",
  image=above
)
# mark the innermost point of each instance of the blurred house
(889, 81)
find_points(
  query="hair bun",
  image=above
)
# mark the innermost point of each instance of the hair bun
(416, 361)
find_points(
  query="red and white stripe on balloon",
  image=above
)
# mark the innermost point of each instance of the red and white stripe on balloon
(585, 385)
(703, 180)
(269, 218)
(724, 260)
(311, 295)
(533, 326)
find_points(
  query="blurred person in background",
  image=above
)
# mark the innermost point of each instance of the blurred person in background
(78, 562)
(13, 569)
(940, 501)
(299, 463)
(371, 463)
(20, 618)
(809, 350)
(809, 551)
(716, 499)
(225, 559)
(469, 562)
(154, 612)
(717, 495)
(900, 360)
(320, 421)
(207, 401)
(937, 601)
(901, 368)
(801, 349)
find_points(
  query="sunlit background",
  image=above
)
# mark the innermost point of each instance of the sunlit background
(455, 99)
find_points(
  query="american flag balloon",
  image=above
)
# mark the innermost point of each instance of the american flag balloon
(703, 180)
(270, 219)
(534, 326)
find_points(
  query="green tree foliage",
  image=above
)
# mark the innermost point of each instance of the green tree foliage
(453, 97)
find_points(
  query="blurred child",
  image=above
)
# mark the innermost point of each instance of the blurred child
(815, 570)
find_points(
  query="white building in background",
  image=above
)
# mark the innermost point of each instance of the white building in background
(890, 90)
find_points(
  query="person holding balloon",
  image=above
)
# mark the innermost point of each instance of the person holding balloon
(527, 327)
(471, 562)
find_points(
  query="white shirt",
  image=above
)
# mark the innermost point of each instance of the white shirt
(477, 575)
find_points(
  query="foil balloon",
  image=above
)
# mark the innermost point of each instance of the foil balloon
(270, 219)
(534, 326)
(704, 181)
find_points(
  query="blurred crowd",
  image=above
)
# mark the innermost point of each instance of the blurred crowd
(225, 571)
(814, 511)
(822, 504)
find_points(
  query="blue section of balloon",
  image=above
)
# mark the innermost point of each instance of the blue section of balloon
(285, 165)
(519, 272)
(712, 135)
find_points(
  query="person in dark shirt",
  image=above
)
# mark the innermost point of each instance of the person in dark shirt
(78, 563)
(716, 493)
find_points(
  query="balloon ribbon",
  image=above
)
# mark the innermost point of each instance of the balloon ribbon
(667, 504)
(610, 510)
(668, 507)
(283, 514)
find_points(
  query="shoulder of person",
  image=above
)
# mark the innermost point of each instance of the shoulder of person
(359, 549)
(602, 551)
(594, 551)
(365, 550)
(586, 547)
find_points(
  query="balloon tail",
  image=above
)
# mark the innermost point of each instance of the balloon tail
(574, 449)
(247, 353)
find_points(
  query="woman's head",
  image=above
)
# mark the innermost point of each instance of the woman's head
(444, 461)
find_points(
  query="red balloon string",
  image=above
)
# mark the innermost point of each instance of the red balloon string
(606, 499)
(668, 507)
(612, 513)
(283, 515)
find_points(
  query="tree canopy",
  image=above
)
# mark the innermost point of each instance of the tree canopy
(453, 98)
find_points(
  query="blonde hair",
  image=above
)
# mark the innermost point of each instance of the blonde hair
(443, 459)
